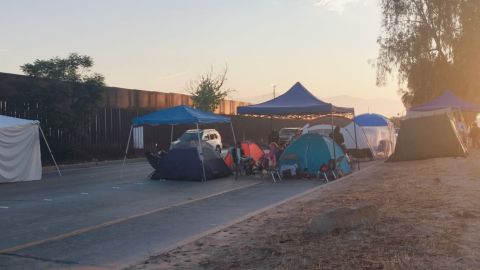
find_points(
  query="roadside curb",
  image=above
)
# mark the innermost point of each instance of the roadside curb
(259, 211)
(48, 169)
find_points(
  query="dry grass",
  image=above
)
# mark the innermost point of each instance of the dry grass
(429, 218)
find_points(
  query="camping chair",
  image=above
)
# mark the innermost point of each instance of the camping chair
(323, 172)
(332, 167)
(271, 169)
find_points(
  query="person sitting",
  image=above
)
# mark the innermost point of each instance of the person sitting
(271, 156)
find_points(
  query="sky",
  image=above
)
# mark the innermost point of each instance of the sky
(161, 45)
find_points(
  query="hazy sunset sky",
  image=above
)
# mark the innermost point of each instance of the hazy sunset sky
(161, 45)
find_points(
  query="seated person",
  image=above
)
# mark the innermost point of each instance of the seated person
(271, 156)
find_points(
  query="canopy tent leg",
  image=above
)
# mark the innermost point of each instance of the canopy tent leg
(201, 153)
(233, 133)
(126, 149)
(333, 141)
(50, 150)
(234, 146)
(171, 137)
(356, 143)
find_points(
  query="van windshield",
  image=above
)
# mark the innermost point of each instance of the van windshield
(189, 136)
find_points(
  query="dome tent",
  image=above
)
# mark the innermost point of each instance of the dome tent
(250, 149)
(380, 133)
(184, 163)
(351, 142)
(310, 151)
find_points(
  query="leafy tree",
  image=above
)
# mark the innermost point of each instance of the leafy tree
(208, 92)
(62, 89)
(432, 45)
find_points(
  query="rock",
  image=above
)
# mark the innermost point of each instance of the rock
(344, 219)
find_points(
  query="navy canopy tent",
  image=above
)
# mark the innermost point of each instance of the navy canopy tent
(445, 101)
(296, 101)
(179, 115)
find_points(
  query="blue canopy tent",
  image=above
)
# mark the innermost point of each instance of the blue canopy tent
(447, 100)
(297, 101)
(179, 115)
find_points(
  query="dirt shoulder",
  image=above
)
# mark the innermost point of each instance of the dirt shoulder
(428, 218)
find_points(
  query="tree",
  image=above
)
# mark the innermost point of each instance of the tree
(62, 89)
(432, 45)
(207, 93)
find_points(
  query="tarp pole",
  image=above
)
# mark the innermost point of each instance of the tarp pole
(126, 149)
(233, 133)
(201, 153)
(333, 140)
(356, 143)
(50, 150)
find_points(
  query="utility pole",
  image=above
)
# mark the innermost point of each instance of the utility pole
(271, 117)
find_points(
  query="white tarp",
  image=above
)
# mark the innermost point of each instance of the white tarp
(348, 133)
(379, 139)
(20, 158)
(382, 139)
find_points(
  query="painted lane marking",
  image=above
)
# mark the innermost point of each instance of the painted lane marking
(116, 187)
(115, 221)
(48, 200)
(4, 207)
(84, 193)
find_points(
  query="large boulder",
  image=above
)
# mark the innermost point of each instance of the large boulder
(344, 219)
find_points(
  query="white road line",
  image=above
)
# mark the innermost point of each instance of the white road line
(84, 193)
(48, 200)
(4, 207)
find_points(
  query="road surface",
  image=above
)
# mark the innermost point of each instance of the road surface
(108, 217)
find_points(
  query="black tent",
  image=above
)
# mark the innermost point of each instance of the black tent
(184, 163)
(428, 137)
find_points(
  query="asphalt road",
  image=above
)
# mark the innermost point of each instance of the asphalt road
(101, 217)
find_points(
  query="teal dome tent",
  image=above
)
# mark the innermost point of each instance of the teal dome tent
(310, 151)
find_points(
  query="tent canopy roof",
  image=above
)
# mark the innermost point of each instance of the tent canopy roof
(179, 115)
(7, 121)
(296, 101)
(371, 120)
(447, 100)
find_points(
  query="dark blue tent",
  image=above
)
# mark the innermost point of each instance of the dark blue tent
(185, 164)
(296, 101)
(179, 115)
(445, 101)
(371, 120)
